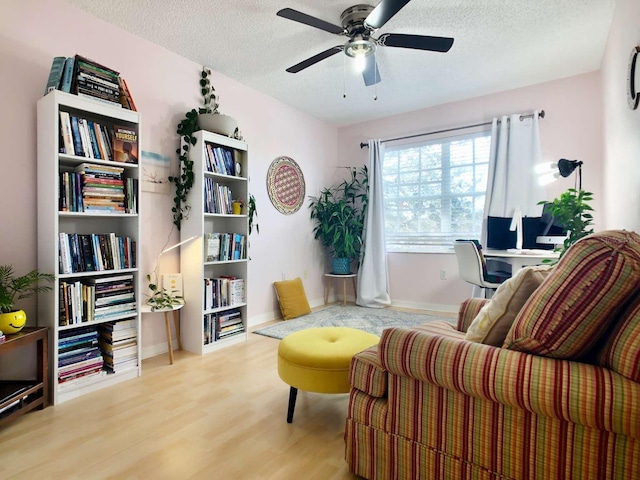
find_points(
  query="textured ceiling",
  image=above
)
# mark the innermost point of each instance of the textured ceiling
(499, 45)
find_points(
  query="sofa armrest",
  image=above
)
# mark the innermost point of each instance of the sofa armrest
(367, 375)
(584, 394)
(468, 311)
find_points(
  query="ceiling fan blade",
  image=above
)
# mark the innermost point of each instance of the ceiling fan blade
(383, 13)
(297, 16)
(419, 42)
(371, 74)
(315, 59)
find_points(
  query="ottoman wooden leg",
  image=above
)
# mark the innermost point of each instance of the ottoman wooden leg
(293, 393)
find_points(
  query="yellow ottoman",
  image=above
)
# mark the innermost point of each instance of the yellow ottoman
(318, 360)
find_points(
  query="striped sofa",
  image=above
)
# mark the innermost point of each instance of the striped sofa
(427, 404)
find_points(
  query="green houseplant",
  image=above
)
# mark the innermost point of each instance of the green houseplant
(338, 214)
(572, 210)
(191, 123)
(14, 288)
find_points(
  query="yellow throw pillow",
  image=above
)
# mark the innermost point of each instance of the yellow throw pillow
(292, 298)
(494, 320)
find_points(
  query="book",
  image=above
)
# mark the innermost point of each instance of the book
(132, 104)
(212, 245)
(67, 135)
(125, 144)
(55, 74)
(67, 75)
(172, 283)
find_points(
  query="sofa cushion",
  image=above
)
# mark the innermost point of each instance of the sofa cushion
(292, 298)
(621, 352)
(577, 302)
(493, 321)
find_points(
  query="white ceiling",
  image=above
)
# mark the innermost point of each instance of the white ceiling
(499, 45)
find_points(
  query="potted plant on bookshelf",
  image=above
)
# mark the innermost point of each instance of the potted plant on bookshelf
(207, 118)
(338, 214)
(14, 288)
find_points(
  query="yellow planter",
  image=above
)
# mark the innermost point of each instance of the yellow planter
(12, 322)
(237, 208)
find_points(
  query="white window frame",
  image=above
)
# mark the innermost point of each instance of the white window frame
(425, 242)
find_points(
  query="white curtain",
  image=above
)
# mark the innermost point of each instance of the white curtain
(512, 185)
(373, 275)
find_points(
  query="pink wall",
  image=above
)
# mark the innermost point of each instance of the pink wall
(621, 124)
(571, 129)
(164, 86)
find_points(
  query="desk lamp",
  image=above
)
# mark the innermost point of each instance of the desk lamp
(154, 285)
(566, 168)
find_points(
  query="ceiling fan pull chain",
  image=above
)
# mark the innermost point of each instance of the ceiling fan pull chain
(344, 76)
(375, 76)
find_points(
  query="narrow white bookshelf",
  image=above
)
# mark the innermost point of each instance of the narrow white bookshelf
(111, 234)
(207, 326)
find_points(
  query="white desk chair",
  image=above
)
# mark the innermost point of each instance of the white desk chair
(472, 267)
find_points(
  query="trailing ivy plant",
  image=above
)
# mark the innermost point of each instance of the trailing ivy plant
(186, 128)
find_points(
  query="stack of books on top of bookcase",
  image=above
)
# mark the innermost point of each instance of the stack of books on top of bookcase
(119, 344)
(87, 78)
(79, 356)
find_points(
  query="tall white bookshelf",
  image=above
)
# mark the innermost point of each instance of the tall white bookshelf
(196, 316)
(52, 221)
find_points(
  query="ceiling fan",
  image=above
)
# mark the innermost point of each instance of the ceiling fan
(359, 23)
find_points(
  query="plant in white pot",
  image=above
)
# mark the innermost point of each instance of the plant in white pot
(14, 288)
(209, 118)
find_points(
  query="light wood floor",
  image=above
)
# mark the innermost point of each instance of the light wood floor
(219, 416)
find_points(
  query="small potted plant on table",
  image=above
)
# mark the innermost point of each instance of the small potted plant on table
(12, 289)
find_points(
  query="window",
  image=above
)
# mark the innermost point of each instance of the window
(434, 191)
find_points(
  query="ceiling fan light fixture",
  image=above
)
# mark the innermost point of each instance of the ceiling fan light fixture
(359, 48)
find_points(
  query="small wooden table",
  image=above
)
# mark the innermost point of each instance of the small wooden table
(176, 321)
(21, 396)
(329, 280)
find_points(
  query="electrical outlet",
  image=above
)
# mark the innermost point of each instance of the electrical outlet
(443, 274)
(283, 276)
(305, 274)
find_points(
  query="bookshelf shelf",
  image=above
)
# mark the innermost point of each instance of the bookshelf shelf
(201, 328)
(80, 247)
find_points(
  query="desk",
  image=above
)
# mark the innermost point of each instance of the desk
(329, 280)
(176, 320)
(518, 259)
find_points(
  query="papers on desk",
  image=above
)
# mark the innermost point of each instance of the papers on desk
(531, 251)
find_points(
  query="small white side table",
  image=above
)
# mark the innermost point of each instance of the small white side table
(176, 320)
(329, 277)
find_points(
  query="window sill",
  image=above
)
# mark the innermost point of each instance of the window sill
(431, 249)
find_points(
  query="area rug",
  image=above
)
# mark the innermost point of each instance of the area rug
(373, 320)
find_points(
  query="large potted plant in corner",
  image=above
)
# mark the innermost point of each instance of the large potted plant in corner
(572, 210)
(338, 214)
(14, 288)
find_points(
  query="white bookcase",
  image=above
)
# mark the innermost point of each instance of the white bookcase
(52, 222)
(193, 256)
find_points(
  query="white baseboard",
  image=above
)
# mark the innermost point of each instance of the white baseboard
(427, 306)
(157, 349)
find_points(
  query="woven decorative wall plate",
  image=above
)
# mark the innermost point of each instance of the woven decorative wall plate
(285, 184)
